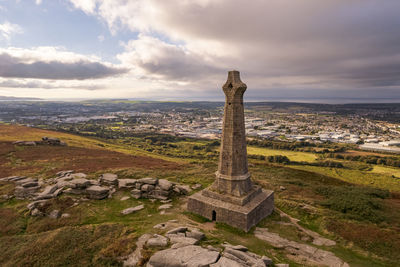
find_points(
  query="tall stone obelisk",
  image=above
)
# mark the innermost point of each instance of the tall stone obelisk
(233, 198)
(233, 176)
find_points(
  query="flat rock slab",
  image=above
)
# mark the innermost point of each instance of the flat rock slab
(225, 262)
(97, 192)
(300, 252)
(182, 239)
(109, 178)
(148, 180)
(80, 183)
(165, 206)
(188, 256)
(136, 256)
(157, 241)
(132, 209)
(126, 183)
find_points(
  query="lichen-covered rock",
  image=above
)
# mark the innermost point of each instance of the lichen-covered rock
(165, 185)
(80, 183)
(126, 183)
(97, 192)
(148, 180)
(136, 193)
(109, 179)
(188, 256)
(157, 241)
(132, 209)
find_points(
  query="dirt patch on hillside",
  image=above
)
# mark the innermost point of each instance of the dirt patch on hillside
(5, 149)
(78, 159)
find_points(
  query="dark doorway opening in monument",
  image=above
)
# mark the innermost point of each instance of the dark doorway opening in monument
(214, 215)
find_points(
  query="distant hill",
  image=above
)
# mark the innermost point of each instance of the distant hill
(12, 98)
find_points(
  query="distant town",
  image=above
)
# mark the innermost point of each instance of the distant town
(371, 127)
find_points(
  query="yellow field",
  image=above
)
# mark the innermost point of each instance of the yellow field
(387, 171)
(292, 155)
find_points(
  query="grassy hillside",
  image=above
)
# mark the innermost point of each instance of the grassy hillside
(339, 203)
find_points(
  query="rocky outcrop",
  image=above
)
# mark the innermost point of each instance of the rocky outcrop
(97, 192)
(52, 141)
(153, 188)
(109, 179)
(300, 252)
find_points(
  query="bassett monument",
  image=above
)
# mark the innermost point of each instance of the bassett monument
(233, 198)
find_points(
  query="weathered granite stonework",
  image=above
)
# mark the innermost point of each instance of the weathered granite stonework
(233, 198)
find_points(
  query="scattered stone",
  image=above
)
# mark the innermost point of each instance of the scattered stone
(184, 256)
(183, 189)
(166, 201)
(80, 183)
(165, 184)
(35, 204)
(182, 239)
(97, 192)
(75, 191)
(24, 143)
(148, 180)
(181, 229)
(157, 241)
(136, 193)
(267, 261)
(245, 258)
(25, 192)
(126, 183)
(147, 188)
(282, 188)
(61, 174)
(35, 212)
(109, 179)
(55, 214)
(65, 215)
(196, 186)
(124, 198)
(160, 226)
(225, 262)
(132, 209)
(165, 206)
(196, 234)
(135, 257)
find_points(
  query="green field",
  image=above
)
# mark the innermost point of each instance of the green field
(292, 155)
(383, 180)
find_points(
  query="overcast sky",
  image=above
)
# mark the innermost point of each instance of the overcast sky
(182, 49)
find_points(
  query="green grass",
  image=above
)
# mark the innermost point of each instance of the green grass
(292, 155)
(367, 178)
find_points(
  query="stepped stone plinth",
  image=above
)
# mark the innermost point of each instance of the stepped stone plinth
(233, 198)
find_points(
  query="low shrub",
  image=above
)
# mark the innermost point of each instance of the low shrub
(360, 203)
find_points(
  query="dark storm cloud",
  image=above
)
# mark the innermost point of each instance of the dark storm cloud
(14, 67)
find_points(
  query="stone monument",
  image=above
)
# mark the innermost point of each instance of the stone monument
(233, 198)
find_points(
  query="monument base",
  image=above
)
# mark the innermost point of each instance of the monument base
(245, 216)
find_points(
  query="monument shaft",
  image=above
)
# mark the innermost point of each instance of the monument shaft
(233, 176)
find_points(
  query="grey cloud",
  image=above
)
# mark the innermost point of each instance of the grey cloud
(283, 38)
(13, 67)
(10, 83)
